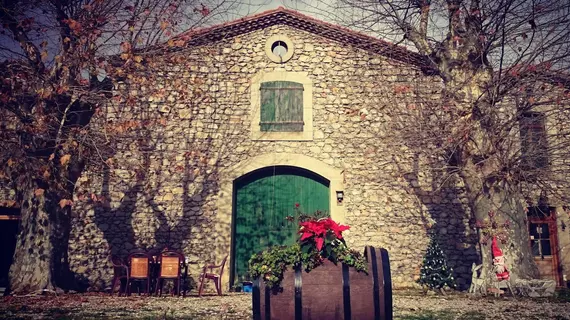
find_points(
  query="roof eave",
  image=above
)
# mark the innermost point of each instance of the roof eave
(303, 22)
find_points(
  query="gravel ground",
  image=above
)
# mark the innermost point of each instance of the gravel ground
(407, 305)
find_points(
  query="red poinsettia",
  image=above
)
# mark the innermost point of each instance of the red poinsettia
(319, 228)
(335, 227)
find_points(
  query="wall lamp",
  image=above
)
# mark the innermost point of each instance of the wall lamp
(339, 196)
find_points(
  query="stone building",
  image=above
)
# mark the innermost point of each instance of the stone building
(255, 120)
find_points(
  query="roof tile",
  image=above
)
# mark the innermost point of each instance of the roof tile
(301, 21)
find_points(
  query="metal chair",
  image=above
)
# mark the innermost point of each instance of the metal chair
(216, 277)
(170, 265)
(120, 271)
(139, 270)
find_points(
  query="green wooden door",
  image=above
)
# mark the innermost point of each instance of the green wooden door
(263, 200)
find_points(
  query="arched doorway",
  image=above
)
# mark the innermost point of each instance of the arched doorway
(263, 199)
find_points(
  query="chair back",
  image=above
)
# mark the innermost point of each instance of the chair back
(170, 264)
(222, 265)
(139, 263)
(119, 267)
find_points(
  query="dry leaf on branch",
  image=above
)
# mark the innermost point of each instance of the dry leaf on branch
(8, 203)
(64, 159)
(65, 202)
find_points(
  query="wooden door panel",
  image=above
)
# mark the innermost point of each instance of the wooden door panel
(544, 245)
(263, 201)
(545, 268)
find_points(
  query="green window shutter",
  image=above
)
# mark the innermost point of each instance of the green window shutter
(281, 106)
(534, 148)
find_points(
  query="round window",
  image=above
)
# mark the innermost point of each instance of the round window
(279, 48)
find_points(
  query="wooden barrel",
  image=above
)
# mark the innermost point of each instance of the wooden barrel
(329, 292)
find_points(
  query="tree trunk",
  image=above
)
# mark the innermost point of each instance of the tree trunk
(40, 259)
(505, 206)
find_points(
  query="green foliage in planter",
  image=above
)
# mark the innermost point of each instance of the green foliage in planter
(321, 239)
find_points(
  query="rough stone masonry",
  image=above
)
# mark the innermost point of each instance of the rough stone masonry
(163, 184)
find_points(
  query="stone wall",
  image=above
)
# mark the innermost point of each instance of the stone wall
(164, 183)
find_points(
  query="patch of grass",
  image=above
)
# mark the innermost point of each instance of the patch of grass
(562, 295)
(10, 315)
(541, 316)
(59, 313)
(444, 315)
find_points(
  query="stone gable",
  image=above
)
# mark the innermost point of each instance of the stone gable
(170, 180)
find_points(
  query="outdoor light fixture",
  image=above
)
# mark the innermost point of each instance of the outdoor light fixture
(339, 196)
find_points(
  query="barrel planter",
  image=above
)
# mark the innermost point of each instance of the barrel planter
(329, 292)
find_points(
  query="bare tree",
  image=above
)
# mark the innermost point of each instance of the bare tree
(501, 67)
(65, 57)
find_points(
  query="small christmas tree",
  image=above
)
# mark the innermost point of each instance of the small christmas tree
(435, 273)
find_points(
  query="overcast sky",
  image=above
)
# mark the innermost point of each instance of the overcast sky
(253, 7)
(319, 9)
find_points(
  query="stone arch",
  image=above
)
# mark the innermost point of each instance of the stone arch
(287, 159)
(229, 175)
